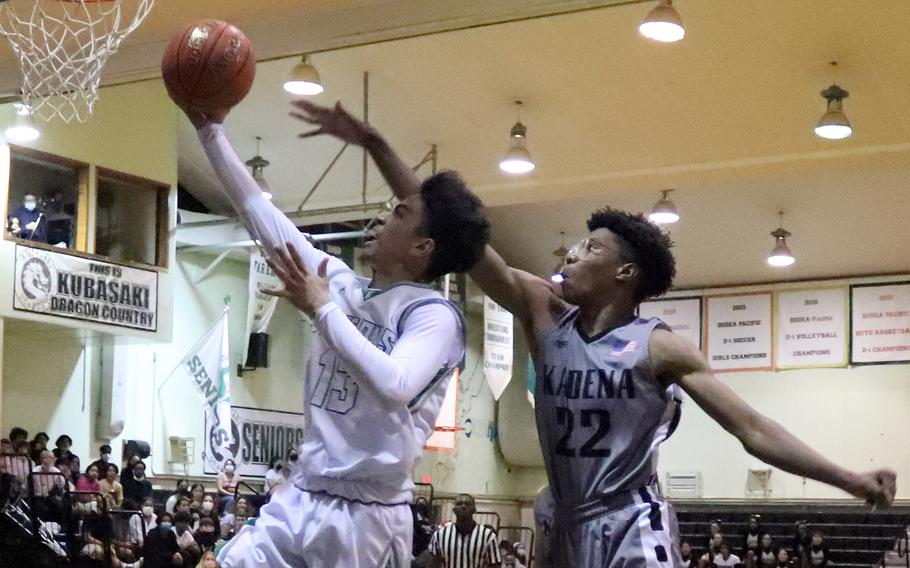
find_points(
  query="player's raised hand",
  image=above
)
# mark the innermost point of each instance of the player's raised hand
(877, 488)
(201, 119)
(307, 292)
(331, 120)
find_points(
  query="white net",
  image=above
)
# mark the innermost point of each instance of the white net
(62, 46)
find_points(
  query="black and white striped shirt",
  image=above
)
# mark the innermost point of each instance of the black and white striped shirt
(477, 549)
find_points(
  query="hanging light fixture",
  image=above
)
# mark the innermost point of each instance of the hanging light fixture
(23, 128)
(833, 125)
(257, 163)
(304, 79)
(663, 23)
(664, 212)
(780, 255)
(517, 160)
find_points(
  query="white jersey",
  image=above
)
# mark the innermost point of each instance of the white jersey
(378, 368)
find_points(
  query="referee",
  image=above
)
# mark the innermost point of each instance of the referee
(464, 543)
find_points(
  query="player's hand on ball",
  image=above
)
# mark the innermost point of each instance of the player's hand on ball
(307, 292)
(331, 120)
(201, 119)
(877, 488)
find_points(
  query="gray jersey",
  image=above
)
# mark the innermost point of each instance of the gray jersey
(600, 411)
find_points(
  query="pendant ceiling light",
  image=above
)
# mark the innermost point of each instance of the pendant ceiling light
(518, 159)
(257, 163)
(663, 23)
(833, 125)
(664, 212)
(23, 128)
(780, 255)
(304, 79)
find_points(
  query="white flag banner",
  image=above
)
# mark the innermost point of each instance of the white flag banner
(497, 346)
(261, 306)
(207, 366)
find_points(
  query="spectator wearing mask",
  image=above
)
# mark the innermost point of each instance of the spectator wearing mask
(147, 522)
(189, 548)
(228, 480)
(726, 559)
(111, 488)
(689, 558)
(183, 489)
(290, 463)
(160, 549)
(207, 511)
(88, 482)
(206, 535)
(137, 487)
(274, 476)
(765, 556)
(64, 443)
(28, 221)
(127, 472)
(464, 543)
(817, 552)
(103, 460)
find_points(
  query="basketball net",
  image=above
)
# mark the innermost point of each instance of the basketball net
(62, 46)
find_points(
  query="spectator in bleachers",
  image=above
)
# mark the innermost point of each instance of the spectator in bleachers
(689, 558)
(28, 221)
(274, 476)
(135, 525)
(127, 472)
(35, 447)
(509, 557)
(817, 551)
(783, 559)
(197, 493)
(111, 488)
(183, 506)
(149, 520)
(183, 489)
(423, 531)
(802, 540)
(43, 438)
(206, 535)
(726, 559)
(766, 557)
(16, 435)
(160, 549)
(189, 548)
(136, 486)
(207, 510)
(104, 459)
(208, 561)
(521, 552)
(64, 443)
(240, 509)
(752, 538)
(45, 485)
(74, 469)
(88, 482)
(228, 479)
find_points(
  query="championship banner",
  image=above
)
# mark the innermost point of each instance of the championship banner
(682, 315)
(63, 285)
(811, 328)
(258, 436)
(497, 346)
(880, 323)
(207, 367)
(738, 333)
(260, 306)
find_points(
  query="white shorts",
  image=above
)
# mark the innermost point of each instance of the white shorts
(300, 529)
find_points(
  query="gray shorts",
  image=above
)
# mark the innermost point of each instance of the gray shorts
(636, 531)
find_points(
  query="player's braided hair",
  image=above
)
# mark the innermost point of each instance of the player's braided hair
(643, 244)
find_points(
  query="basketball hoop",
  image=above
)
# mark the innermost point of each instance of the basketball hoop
(62, 46)
(449, 429)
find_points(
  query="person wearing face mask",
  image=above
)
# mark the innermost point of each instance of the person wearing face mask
(290, 463)
(189, 548)
(137, 487)
(206, 535)
(228, 480)
(140, 526)
(208, 561)
(111, 488)
(28, 221)
(207, 511)
(160, 549)
(105, 458)
(274, 477)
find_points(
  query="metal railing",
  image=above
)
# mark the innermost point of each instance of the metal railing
(17, 465)
(488, 518)
(523, 535)
(901, 548)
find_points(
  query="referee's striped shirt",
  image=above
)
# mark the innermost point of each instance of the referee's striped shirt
(477, 549)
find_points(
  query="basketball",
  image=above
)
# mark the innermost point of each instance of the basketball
(208, 66)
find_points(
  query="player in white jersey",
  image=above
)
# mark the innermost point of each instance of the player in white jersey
(377, 371)
(607, 388)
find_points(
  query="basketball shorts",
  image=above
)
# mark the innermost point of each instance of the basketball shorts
(634, 529)
(301, 529)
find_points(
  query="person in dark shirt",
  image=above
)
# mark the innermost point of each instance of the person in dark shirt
(28, 222)
(160, 549)
(138, 487)
(102, 462)
(817, 552)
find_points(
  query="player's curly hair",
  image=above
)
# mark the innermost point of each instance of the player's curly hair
(454, 219)
(643, 244)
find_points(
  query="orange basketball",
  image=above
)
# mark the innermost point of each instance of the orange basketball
(208, 66)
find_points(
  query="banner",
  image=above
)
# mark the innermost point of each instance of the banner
(260, 306)
(207, 367)
(738, 333)
(880, 323)
(682, 315)
(63, 285)
(811, 328)
(258, 436)
(497, 346)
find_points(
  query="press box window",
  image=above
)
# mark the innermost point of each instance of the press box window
(131, 218)
(44, 196)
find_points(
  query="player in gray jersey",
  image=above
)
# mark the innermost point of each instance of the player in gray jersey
(608, 382)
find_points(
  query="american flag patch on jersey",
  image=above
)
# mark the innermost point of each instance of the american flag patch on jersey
(628, 348)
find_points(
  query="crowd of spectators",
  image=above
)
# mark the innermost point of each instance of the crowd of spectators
(757, 548)
(105, 503)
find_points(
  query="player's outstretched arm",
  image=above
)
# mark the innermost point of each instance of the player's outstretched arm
(520, 292)
(674, 357)
(265, 222)
(338, 122)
